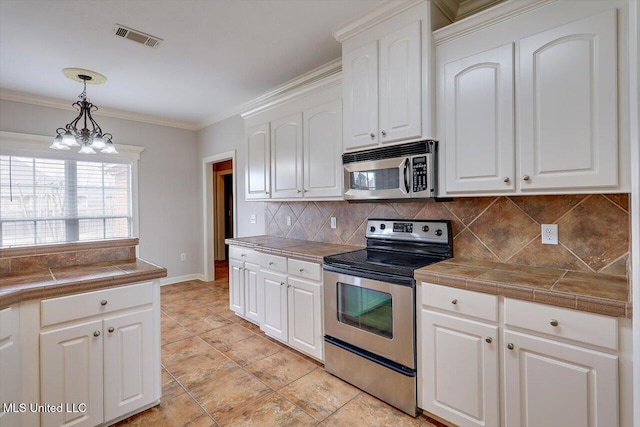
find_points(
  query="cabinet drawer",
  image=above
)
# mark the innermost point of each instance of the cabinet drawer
(570, 324)
(273, 262)
(460, 301)
(308, 270)
(64, 309)
(244, 254)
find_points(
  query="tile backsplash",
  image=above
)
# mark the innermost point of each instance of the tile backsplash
(593, 230)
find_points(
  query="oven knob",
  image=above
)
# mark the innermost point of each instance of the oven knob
(382, 226)
(372, 229)
(425, 228)
(438, 232)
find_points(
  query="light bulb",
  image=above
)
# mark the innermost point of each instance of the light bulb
(69, 140)
(109, 148)
(98, 142)
(57, 144)
(86, 149)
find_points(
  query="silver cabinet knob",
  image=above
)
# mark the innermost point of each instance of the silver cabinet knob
(111, 329)
(288, 286)
(103, 302)
(281, 283)
(526, 177)
(301, 270)
(305, 190)
(96, 334)
(266, 192)
(454, 301)
(384, 133)
(270, 262)
(553, 322)
(243, 255)
(489, 340)
(298, 191)
(510, 346)
(372, 135)
(506, 179)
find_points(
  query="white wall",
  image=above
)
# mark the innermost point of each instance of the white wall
(225, 136)
(169, 205)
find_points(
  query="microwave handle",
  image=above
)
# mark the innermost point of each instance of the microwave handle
(406, 177)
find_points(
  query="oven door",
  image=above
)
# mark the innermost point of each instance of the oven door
(372, 315)
(378, 179)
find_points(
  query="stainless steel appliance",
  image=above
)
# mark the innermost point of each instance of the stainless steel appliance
(395, 172)
(370, 307)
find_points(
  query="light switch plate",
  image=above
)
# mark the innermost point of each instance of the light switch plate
(549, 234)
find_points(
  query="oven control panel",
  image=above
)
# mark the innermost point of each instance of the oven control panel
(436, 231)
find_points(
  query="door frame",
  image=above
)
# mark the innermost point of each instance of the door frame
(208, 210)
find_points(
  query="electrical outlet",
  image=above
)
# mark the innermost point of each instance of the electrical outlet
(253, 219)
(183, 257)
(288, 220)
(333, 222)
(549, 234)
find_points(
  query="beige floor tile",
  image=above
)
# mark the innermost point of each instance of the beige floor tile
(274, 410)
(196, 368)
(204, 323)
(319, 393)
(173, 411)
(172, 330)
(250, 350)
(227, 390)
(227, 335)
(280, 369)
(367, 411)
(177, 351)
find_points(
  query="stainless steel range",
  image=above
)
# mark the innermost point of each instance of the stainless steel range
(370, 307)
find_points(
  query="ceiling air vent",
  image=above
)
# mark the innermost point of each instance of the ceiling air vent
(136, 36)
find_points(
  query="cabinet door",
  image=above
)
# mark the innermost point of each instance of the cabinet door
(479, 122)
(128, 371)
(236, 287)
(305, 317)
(551, 383)
(252, 301)
(459, 379)
(322, 150)
(71, 373)
(274, 307)
(568, 106)
(360, 94)
(286, 157)
(400, 89)
(10, 366)
(258, 162)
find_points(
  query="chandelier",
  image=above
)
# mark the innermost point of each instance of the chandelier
(90, 140)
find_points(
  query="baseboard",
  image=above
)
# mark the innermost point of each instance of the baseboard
(178, 279)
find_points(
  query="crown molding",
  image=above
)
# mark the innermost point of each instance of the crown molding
(373, 18)
(43, 101)
(471, 7)
(487, 18)
(448, 7)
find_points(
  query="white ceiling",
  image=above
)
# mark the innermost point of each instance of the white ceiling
(216, 54)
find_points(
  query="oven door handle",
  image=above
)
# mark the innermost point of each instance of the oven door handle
(406, 177)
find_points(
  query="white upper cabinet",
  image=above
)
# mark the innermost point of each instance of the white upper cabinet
(399, 95)
(286, 156)
(387, 74)
(568, 105)
(322, 151)
(258, 161)
(568, 81)
(479, 121)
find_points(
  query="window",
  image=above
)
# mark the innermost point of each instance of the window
(47, 200)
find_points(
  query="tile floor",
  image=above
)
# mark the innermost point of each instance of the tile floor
(220, 370)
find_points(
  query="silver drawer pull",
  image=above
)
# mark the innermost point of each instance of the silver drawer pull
(270, 262)
(111, 329)
(103, 302)
(281, 283)
(454, 301)
(243, 255)
(553, 322)
(96, 334)
(506, 179)
(510, 346)
(526, 177)
(372, 135)
(489, 340)
(301, 270)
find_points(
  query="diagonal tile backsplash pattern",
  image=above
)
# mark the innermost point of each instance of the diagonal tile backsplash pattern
(593, 230)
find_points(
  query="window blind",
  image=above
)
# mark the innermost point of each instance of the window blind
(46, 200)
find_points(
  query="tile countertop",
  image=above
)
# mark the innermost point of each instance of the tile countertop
(294, 248)
(595, 293)
(69, 280)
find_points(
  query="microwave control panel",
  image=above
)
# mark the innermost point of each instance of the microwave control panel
(420, 174)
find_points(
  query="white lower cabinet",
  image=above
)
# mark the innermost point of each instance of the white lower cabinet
(305, 316)
(243, 283)
(10, 367)
(274, 287)
(552, 371)
(460, 369)
(104, 365)
(552, 383)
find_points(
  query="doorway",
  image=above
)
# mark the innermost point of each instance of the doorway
(219, 212)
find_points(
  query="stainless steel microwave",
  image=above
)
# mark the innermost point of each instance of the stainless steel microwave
(396, 172)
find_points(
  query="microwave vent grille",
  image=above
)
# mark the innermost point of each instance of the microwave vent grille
(403, 150)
